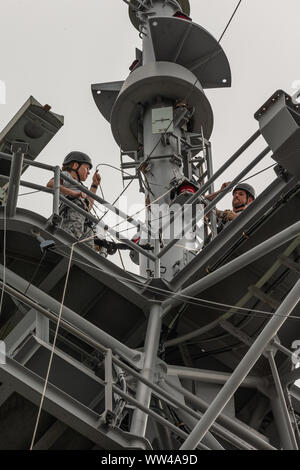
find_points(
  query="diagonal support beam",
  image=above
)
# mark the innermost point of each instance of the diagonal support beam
(235, 265)
(261, 295)
(243, 368)
(40, 298)
(143, 393)
(51, 436)
(286, 261)
(213, 203)
(66, 409)
(280, 410)
(5, 393)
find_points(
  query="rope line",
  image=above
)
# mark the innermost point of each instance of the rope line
(52, 349)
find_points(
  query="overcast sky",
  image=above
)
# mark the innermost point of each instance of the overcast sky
(55, 49)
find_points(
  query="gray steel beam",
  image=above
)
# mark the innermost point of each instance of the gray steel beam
(87, 215)
(143, 393)
(163, 431)
(209, 440)
(108, 382)
(50, 437)
(21, 331)
(193, 334)
(176, 430)
(261, 295)
(56, 191)
(223, 243)
(83, 189)
(224, 167)
(66, 409)
(71, 328)
(243, 368)
(18, 149)
(286, 261)
(224, 433)
(30, 321)
(44, 166)
(237, 333)
(262, 407)
(111, 275)
(219, 172)
(211, 377)
(131, 371)
(69, 316)
(233, 266)
(238, 429)
(281, 413)
(5, 392)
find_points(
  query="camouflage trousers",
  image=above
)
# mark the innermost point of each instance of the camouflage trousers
(75, 224)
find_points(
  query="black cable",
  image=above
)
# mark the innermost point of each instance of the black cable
(162, 292)
(258, 173)
(232, 16)
(31, 192)
(116, 200)
(36, 271)
(204, 65)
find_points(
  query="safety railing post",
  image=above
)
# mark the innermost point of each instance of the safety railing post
(56, 188)
(19, 149)
(108, 386)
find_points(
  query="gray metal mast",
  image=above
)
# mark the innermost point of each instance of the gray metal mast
(163, 119)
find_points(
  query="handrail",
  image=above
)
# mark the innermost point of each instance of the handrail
(93, 219)
(140, 226)
(99, 199)
(213, 203)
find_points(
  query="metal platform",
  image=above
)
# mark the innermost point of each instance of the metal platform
(109, 302)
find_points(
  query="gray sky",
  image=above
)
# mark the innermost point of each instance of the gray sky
(55, 49)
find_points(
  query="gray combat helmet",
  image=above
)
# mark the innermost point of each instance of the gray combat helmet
(245, 187)
(78, 157)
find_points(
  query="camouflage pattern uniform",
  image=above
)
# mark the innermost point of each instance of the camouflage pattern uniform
(73, 222)
(76, 224)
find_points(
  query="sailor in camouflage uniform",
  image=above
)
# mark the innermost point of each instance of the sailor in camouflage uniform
(77, 165)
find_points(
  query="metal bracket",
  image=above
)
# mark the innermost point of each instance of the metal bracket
(19, 147)
(55, 220)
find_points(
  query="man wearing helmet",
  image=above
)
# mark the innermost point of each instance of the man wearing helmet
(243, 195)
(77, 165)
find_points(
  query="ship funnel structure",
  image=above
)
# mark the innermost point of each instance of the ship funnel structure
(158, 112)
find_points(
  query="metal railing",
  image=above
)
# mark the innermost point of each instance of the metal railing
(246, 438)
(14, 182)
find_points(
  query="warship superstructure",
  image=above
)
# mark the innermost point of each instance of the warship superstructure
(198, 351)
